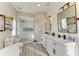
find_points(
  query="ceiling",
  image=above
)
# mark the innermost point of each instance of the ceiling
(30, 7)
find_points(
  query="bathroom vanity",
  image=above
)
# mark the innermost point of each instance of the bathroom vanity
(53, 47)
(59, 44)
(56, 46)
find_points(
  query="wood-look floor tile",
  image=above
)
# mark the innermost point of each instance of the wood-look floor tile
(32, 49)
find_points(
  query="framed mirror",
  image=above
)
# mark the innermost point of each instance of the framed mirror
(8, 23)
(2, 22)
(67, 20)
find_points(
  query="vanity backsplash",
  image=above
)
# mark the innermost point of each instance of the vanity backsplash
(65, 36)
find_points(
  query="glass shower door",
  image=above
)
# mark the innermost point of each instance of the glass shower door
(25, 29)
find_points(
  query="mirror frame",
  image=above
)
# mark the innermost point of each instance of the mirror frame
(75, 19)
(3, 19)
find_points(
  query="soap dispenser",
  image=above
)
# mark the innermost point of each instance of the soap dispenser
(53, 34)
(64, 36)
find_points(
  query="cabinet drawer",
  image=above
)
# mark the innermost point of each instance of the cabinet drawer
(58, 49)
(49, 50)
(49, 40)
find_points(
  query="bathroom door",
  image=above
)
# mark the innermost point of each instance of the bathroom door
(25, 28)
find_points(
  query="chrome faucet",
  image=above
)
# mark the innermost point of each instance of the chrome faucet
(74, 39)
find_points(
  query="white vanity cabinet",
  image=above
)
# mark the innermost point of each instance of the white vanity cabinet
(53, 47)
(58, 49)
(49, 46)
(44, 41)
(72, 49)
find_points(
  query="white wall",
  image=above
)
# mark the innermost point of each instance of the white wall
(6, 9)
(39, 25)
(53, 10)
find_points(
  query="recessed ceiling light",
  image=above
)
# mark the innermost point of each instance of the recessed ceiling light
(38, 5)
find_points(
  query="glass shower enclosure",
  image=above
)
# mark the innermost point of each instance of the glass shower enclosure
(25, 28)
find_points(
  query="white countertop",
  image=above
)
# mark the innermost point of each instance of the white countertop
(55, 38)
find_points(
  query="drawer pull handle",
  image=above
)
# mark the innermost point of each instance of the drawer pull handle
(54, 43)
(54, 51)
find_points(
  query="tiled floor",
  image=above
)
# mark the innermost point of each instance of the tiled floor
(33, 49)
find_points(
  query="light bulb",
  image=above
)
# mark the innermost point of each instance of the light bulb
(38, 5)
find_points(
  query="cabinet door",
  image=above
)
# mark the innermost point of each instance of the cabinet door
(43, 42)
(54, 48)
(49, 48)
(58, 49)
(61, 50)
